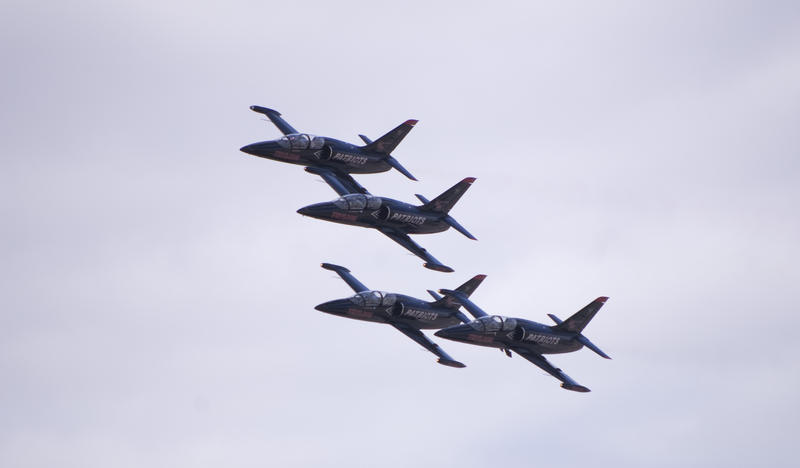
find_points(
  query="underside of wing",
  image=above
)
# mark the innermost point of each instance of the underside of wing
(544, 364)
(348, 278)
(342, 184)
(404, 240)
(423, 340)
(276, 119)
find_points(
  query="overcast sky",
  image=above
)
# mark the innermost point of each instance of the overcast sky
(157, 287)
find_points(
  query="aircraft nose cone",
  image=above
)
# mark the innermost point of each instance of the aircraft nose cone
(264, 149)
(337, 306)
(249, 149)
(317, 210)
(457, 332)
(444, 333)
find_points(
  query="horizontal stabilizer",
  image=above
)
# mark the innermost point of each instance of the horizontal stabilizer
(365, 139)
(387, 143)
(557, 320)
(276, 118)
(585, 341)
(454, 224)
(435, 295)
(396, 164)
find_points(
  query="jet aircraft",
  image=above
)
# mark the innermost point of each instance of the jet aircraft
(527, 338)
(394, 218)
(407, 314)
(325, 154)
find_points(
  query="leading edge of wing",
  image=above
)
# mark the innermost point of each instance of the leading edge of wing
(426, 343)
(404, 240)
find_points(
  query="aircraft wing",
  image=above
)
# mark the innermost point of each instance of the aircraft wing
(404, 240)
(276, 118)
(423, 340)
(342, 184)
(544, 364)
(348, 278)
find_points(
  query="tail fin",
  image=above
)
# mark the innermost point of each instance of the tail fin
(445, 202)
(451, 298)
(578, 321)
(387, 143)
(470, 286)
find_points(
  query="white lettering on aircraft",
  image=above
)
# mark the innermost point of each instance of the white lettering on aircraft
(350, 158)
(543, 339)
(420, 314)
(407, 218)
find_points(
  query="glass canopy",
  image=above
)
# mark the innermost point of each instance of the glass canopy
(494, 323)
(357, 202)
(301, 141)
(373, 299)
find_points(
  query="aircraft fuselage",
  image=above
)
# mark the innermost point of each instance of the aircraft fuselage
(536, 337)
(334, 154)
(391, 213)
(408, 310)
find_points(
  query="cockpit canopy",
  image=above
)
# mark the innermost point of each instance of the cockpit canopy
(494, 323)
(301, 141)
(373, 299)
(357, 202)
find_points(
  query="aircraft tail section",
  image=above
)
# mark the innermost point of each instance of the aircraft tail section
(387, 143)
(445, 202)
(578, 321)
(470, 286)
(451, 300)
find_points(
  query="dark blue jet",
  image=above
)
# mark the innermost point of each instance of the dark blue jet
(529, 339)
(407, 314)
(324, 154)
(393, 218)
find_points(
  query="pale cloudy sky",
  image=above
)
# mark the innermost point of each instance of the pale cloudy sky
(157, 286)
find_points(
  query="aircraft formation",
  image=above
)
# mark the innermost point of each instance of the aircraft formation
(334, 161)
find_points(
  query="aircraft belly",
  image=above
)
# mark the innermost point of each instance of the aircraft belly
(561, 348)
(369, 168)
(287, 157)
(352, 219)
(426, 227)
